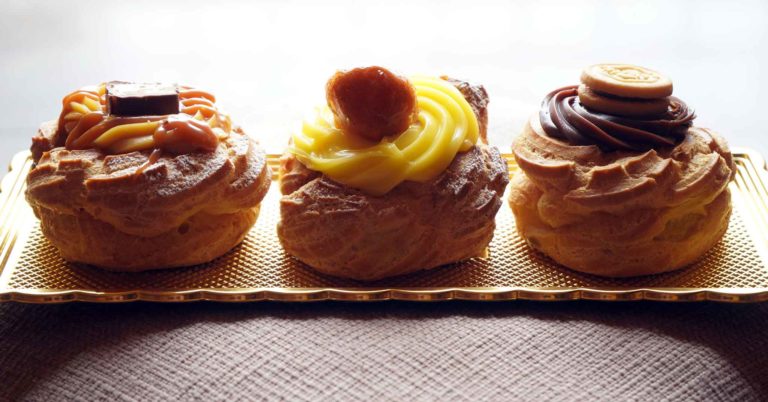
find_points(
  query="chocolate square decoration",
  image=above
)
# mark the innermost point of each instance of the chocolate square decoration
(130, 99)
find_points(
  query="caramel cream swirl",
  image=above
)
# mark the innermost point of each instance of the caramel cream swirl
(563, 117)
(84, 124)
(446, 125)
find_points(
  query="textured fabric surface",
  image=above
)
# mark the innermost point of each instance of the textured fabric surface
(385, 351)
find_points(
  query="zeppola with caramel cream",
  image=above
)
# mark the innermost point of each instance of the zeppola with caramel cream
(615, 180)
(136, 176)
(392, 176)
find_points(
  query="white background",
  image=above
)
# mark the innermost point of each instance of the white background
(267, 62)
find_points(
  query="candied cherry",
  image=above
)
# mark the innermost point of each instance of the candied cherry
(371, 102)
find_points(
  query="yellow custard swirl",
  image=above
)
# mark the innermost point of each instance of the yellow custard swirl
(446, 125)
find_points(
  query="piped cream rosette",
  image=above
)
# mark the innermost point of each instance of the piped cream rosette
(446, 125)
(87, 125)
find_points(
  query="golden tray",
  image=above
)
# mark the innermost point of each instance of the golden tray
(734, 271)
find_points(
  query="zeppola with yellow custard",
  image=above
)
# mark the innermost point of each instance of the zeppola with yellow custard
(136, 176)
(616, 181)
(392, 176)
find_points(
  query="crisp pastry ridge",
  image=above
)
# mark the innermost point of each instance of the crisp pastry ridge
(344, 232)
(622, 212)
(146, 209)
(348, 232)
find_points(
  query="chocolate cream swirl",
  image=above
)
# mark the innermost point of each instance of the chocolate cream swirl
(563, 117)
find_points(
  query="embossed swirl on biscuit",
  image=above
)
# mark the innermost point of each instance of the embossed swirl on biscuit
(446, 125)
(198, 127)
(629, 73)
(563, 117)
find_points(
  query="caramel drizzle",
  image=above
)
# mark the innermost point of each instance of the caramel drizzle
(563, 117)
(198, 127)
(153, 158)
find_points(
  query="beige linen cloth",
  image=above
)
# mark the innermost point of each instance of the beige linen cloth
(384, 351)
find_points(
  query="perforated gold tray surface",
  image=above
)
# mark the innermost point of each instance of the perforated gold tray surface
(734, 271)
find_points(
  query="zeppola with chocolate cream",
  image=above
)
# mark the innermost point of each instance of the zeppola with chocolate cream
(135, 176)
(615, 180)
